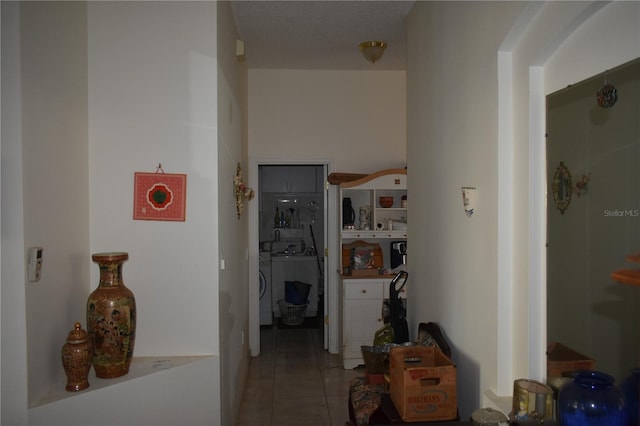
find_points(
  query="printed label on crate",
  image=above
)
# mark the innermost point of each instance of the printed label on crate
(428, 402)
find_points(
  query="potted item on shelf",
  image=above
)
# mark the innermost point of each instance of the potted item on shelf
(76, 359)
(111, 318)
(386, 202)
(348, 214)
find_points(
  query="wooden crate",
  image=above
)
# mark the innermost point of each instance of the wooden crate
(370, 265)
(423, 384)
(562, 359)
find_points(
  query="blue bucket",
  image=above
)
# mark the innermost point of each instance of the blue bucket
(296, 292)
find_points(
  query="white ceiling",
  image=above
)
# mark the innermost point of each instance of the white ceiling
(312, 34)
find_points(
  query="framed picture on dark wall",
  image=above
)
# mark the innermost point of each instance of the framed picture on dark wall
(159, 196)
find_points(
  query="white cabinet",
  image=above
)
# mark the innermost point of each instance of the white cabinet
(362, 298)
(362, 316)
(289, 179)
(294, 268)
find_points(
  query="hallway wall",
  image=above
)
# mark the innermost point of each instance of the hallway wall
(354, 118)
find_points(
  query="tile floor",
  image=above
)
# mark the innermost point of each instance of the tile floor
(295, 381)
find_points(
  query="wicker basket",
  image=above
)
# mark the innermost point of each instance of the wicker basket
(292, 314)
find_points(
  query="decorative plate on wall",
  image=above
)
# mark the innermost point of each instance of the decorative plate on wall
(159, 196)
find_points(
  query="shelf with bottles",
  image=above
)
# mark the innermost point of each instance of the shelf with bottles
(375, 206)
(287, 218)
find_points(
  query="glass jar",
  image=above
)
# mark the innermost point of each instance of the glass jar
(591, 399)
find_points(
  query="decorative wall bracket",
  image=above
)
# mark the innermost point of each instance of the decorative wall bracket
(241, 191)
(563, 187)
(582, 186)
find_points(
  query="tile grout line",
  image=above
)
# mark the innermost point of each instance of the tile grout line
(323, 378)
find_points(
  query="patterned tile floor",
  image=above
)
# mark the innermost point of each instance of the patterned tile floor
(295, 381)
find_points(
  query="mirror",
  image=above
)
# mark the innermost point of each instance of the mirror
(593, 222)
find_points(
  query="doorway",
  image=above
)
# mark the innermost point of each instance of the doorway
(287, 229)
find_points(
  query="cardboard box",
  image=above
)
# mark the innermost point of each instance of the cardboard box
(423, 384)
(562, 360)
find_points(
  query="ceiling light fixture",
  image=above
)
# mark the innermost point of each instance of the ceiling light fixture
(372, 50)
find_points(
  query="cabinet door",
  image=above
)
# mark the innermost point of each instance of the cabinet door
(274, 179)
(301, 179)
(362, 315)
(288, 179)
(362, 318)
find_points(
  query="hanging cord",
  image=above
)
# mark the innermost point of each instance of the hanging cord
(159, 169)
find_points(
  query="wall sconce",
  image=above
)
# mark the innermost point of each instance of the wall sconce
(242, 192)
(469, 200)
(373, 50)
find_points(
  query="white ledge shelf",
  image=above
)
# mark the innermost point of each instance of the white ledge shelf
(140, 367)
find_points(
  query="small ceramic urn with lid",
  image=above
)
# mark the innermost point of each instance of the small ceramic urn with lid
(76, 359)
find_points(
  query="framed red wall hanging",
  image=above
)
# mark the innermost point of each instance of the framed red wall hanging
(160, 196)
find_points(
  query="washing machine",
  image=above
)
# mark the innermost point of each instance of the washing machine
(266, 314)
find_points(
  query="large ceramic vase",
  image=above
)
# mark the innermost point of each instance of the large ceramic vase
(111, 318)
(591, 399)
(76, 359)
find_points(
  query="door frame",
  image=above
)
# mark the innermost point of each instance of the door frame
(254, 252)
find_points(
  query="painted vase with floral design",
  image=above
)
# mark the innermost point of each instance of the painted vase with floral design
(76, 359)
(111, 318)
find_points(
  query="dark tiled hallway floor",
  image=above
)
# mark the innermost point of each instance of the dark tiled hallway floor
(295, 382)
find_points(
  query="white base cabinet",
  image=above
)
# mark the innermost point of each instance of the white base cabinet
(362, 315)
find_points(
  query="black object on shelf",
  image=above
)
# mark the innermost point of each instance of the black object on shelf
(397, 310)
(348, 213)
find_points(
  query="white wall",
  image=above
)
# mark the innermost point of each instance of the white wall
(458, 269)
(13, 370)
(153, 88)
(153, 99)
(355, 118)
(52, 191)
(234, 280)
(452, 127)
(109, 89)
(181, 395)
(574, 59)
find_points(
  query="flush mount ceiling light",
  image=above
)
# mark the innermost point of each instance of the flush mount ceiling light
(372, 50)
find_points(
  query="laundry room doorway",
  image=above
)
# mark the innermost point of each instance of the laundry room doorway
(288, 240)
